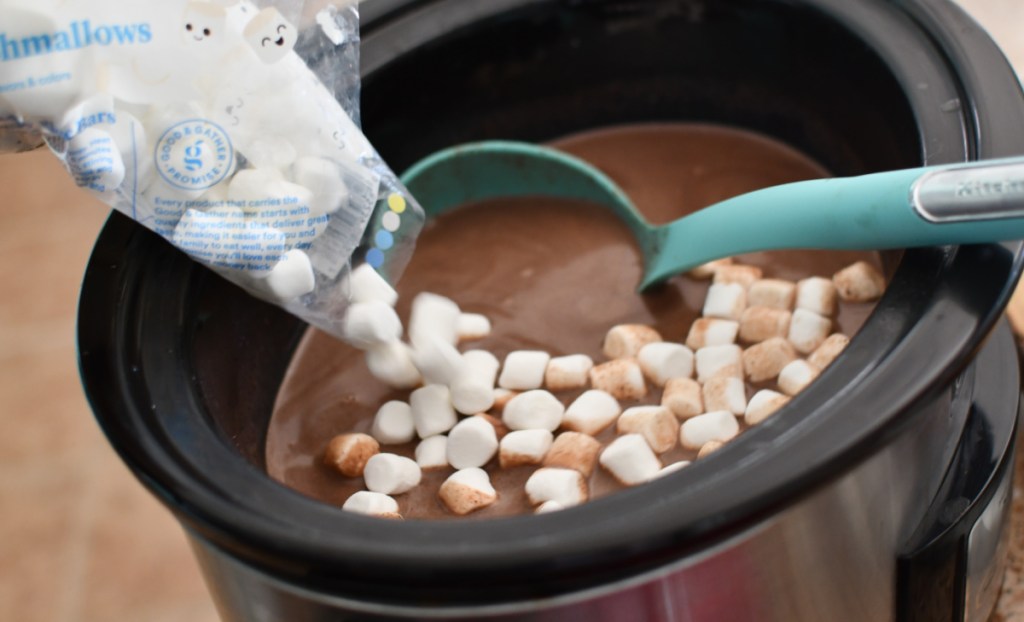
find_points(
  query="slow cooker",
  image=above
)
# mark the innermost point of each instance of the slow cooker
(880, 493)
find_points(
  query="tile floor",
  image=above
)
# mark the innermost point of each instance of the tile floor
(80, 540)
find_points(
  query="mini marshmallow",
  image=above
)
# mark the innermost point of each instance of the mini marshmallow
(433, 316)
(760, 323)
(349, 453)
(256, 210)
(391, 474)
(567, 372)
(795, 377)
(764, 403)
(572, 450)
(432, 452)
(533, 410)
(393, 423)
(591, 412)
(467, 490)
(472, 326)
(718, 425)
(625, 340)
(273, 150)
(372, 504)
(549, 506)
(365, 284)
(656, 424)
(707, 270)
(523, 447)
(471, 443)
(709, 448)
(432, 410)
(725, 393)
(808, 330)
(630, 460)
(683, 397)
(473, 385)
(726, 301)
(325, 18)
(204, 24)
(816, 294)
(719, 360)
(829, 349)
(502, 398)
(772, 293)
(743, 275)
(370, 324)
(707, 331)
(392, 364)
(564, 486)
(437, 360)
(622, 378)
(859, 282)
(765, 360)
(323, 179)
(524, 370)
(672, 468)
(291, 277)
(270, 35)
(661, 361)
(253, 184)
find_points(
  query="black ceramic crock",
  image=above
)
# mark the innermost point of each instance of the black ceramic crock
(830, 510)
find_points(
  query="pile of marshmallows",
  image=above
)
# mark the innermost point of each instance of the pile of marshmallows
(781, 320)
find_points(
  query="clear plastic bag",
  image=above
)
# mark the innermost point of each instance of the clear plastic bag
(228, 127)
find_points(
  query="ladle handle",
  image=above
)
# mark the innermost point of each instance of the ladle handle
(959, 204)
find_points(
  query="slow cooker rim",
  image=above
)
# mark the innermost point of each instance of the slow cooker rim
(213, 521)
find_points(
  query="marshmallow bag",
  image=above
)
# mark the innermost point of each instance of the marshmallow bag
(228, 127)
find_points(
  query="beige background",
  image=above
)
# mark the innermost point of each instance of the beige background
(80, 540)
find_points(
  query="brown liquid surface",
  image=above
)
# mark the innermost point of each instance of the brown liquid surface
(551, 275)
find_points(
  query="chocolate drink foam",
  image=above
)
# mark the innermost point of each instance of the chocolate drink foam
(551, 275)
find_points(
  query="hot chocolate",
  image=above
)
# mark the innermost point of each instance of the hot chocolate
(551, 275)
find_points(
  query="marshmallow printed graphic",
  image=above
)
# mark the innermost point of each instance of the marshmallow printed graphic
(270, 35)
(204, 24)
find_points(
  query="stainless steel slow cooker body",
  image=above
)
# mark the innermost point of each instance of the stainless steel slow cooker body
(854, 503)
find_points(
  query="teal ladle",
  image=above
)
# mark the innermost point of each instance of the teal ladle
(952, 204)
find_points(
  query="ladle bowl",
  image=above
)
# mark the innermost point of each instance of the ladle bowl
(924, 206)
